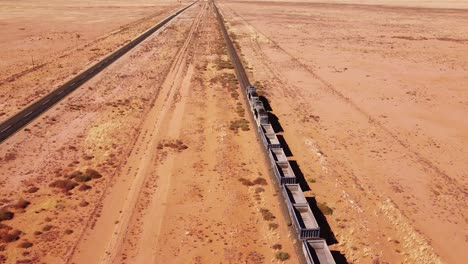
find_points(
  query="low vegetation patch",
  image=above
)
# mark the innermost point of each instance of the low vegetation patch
(311, 180)
(47, 228)
(65, 185)
(246, 182)
(84, 187)
(267, 215)
(8, 236)
(259, 190)
(6, 215)
(325, 209)
(32, 189)
(281, 255)
(277, 247)
(222, 64)
(241, 123)
(87, 175)
(25, 244)
(173, 144)
(22, 204)
(273, 226)
(260, 181)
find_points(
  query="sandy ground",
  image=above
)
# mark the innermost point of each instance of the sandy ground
(46, 42)
(373, 100)
(130, 168)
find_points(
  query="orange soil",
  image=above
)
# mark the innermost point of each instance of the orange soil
(40, 51)
(157, 126)
(374, 102)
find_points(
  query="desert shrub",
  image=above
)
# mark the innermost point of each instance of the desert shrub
(273, 226)
(281, 255)
(93, 173)
(7, 236)
(83, 178)
(267, 215)
(260, 181)
(88, 175)
(65, 185)
(83, 203)
(242, 124)
(74, 174)
(246, 182)
(311, 180)
(22, 204)
(47, 228)
(32, 189)
(84, 187)
(222, 64)
(259, 190)
(68, 231)
(325, 209)
(277, 247)
(25, 244)
(6, 215)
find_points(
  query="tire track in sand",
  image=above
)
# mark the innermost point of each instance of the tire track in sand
(103, 239)
(168, 116)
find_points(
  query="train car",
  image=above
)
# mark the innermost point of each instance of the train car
(284, 173)
(277, 155)
(305, 222)
(252, 93)
(260, 114)
(293, 194)
(316, 251)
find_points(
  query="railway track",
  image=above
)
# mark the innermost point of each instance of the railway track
(314, 248)
(31, 112)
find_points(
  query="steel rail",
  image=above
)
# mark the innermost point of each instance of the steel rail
(31, 112)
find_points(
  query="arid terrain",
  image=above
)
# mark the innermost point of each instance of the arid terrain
(143, 163)
(155, 159)
(374, 101)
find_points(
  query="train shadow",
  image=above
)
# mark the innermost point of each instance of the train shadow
(275, 122)
(285, 146)
(339, 257)
(301, 180)
(266, 103)
(325, 230)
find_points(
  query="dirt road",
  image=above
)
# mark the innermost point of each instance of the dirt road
(153, 157)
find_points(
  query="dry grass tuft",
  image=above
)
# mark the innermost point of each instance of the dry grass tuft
(25, 244)
(64, 185)
(32, 189)
(267, 215)
(84, 187)
(22, 204)
(260, 181)
(6, 215)
(273, 226)
(281, 255)
(277, 247)
(246, 182)
(241, 123)
(325, 209)
(8, 236)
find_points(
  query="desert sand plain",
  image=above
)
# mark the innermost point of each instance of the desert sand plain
(154, 160)
(374, 101)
